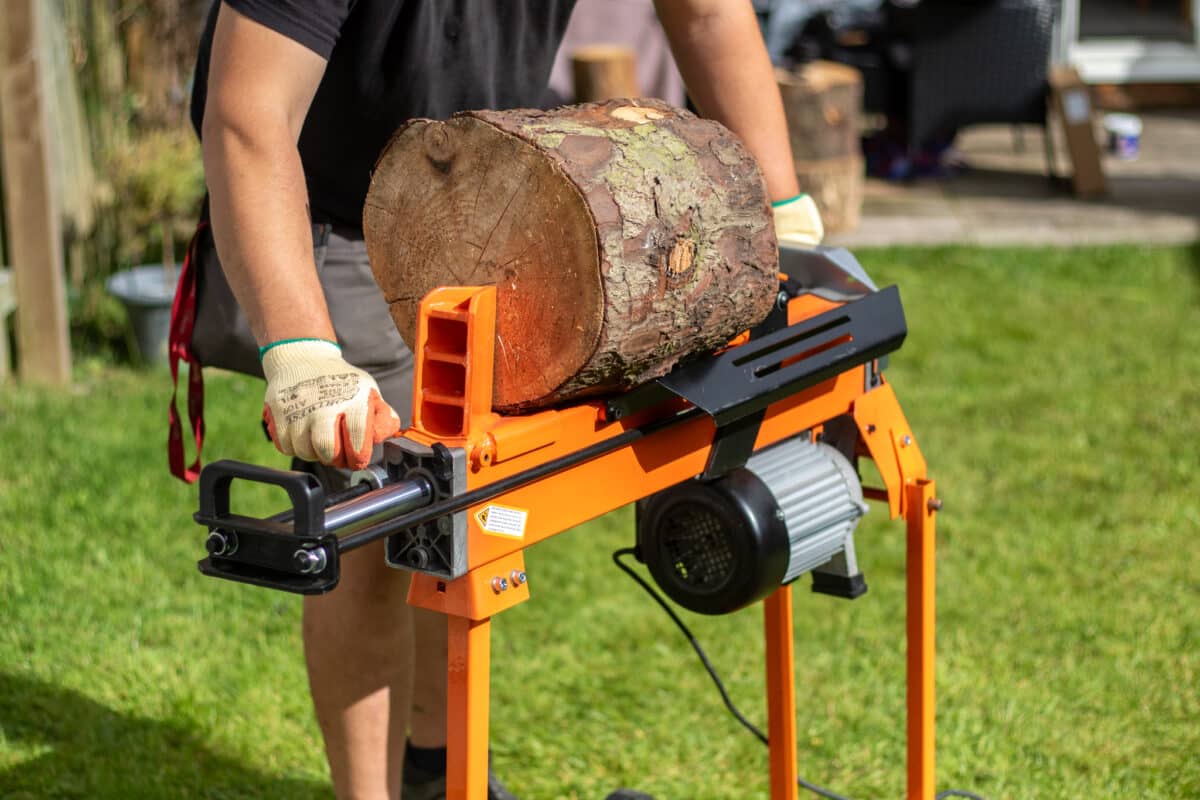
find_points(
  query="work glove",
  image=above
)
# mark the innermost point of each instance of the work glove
(320, 408)
(797, 222)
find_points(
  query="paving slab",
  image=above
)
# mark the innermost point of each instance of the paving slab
(1003, 196)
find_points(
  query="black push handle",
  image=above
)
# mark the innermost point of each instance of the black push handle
(289, 551)
(305, 492)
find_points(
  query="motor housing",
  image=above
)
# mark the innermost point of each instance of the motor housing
(716, 546)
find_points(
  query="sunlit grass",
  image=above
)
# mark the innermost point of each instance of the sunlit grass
(1055, 396)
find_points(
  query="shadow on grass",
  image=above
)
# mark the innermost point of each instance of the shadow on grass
(92, 751)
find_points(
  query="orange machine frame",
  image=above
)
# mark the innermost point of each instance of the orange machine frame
(452, 405)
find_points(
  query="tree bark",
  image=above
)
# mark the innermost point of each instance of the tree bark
(622, 237)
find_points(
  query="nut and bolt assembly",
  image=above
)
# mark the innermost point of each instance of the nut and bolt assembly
(312, 561)
(220, 543)
(515, 578)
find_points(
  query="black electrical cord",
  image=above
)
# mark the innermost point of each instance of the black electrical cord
(716, 679)
(712, 672)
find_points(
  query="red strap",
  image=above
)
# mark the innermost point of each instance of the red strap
(183, 318)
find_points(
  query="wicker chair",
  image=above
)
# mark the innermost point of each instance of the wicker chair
(973, 63)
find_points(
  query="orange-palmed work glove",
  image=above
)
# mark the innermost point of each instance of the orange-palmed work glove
(320, 408)
(797, 222)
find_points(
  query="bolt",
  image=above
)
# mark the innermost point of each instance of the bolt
(781, 300)
(310, 562)
(870, 428)
(418, 557)
(517, 577)
(906, 440)
(934, 504)
(220, 543)
(499, 584)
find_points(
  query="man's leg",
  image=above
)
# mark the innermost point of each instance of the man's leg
(427, 723)
(359, 646)
(368, 663)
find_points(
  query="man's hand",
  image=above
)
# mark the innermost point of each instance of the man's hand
(797, 222)
(320, 408)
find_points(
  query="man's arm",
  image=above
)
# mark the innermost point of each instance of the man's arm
(260, 85)
(729, 76)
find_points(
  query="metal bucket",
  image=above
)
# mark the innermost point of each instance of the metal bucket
(147, 293)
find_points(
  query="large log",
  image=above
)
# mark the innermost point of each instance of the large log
(621, 236)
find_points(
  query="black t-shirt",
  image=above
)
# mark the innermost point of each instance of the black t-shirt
(392, 60)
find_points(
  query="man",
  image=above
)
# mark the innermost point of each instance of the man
(294, 100)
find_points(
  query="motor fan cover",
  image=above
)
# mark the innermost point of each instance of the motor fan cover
(716, 546)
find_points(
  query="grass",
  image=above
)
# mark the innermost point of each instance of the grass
(1055, 394)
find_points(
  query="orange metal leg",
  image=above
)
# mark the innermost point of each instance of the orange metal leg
(781, 694)
(467, 706)
(921, 508)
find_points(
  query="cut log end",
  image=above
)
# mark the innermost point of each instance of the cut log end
(461, 203)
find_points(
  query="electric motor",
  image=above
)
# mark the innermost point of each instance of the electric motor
(717, 546)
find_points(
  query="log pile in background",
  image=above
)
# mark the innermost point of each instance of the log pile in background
(604, 71)
(823, 103)
(621, 236)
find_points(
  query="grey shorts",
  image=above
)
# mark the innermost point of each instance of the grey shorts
(364, 326)
(365, 330)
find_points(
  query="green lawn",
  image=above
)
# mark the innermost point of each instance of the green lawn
(1055, 394)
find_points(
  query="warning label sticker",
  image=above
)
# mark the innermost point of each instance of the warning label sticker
(502, 520)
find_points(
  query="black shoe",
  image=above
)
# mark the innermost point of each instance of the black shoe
(421, 785)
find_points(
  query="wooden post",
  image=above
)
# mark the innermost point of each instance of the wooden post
(8, 304)
(33, 226)
(823, 103)
(604, 72)
(1070, 98)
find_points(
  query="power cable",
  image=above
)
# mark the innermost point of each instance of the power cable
(716, 679)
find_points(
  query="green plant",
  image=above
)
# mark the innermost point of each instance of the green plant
(130, 60)
(157, 180)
